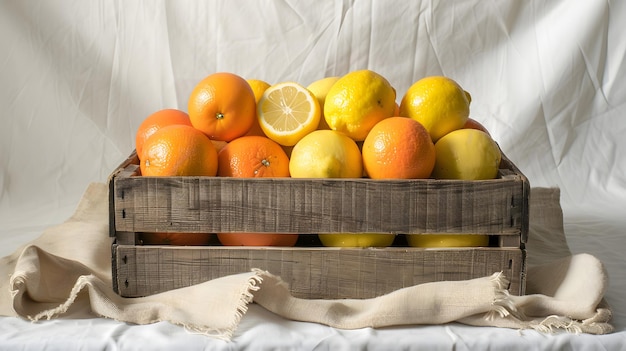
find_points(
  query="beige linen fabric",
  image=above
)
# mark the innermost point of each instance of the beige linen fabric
(67, 272)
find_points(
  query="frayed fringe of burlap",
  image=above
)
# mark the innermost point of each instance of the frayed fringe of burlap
(247, 296)
(504, 307)
(17, 282)
(595, 325)
(502, 304)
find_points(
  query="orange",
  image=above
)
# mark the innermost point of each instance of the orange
(219, 144)
(157, 121)
(257, 239)
(398, 147)
(253, 156)
(222, 106)
(178, 239)
(178, 150)
(474, 124)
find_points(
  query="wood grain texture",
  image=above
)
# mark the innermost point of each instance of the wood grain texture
(287, 205)
(325, 273)
(497, 207)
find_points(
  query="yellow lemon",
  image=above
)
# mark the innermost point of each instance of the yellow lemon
(326, 154)
(468, 96)
(258, 87)
(357, 101)
(447, 240)
(467, 154)
(438, 103)
(356, 239)
(320, 89)
(287, 112)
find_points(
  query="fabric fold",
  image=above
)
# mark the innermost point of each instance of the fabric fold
(568, 295)
(429, 303)
(213, 308)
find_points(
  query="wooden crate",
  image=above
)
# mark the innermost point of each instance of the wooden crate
(498, 207)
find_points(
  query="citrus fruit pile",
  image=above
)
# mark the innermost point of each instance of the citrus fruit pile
(337, 127)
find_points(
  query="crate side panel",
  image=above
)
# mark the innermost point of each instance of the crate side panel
(206, 204)
(313, 273)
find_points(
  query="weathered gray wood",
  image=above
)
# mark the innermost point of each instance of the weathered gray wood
(128, 168)
(127, 238)
(497, 207)
(327, 273)
(287, 205)
(509, 241)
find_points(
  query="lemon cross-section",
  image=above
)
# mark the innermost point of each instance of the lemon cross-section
(287, 112)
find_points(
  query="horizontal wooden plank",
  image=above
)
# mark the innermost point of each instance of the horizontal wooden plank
(286, 205)
(311, 272)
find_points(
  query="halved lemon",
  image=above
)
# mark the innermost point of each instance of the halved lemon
(287, 112)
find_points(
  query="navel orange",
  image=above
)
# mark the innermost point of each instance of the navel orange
(178, 150)
(253, 156)
(222, 106)
(398, 147)
(178, 239)
(474, 124)
(156, 121)
(257, 239)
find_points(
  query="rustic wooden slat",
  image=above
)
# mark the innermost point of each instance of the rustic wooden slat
(509, 241)
(213, 204)
(127, 238)
(312, 272)
(128, 168)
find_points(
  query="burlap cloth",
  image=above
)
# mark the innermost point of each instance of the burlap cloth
(67, 272)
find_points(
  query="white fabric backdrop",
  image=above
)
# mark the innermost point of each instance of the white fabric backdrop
(548, 79)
